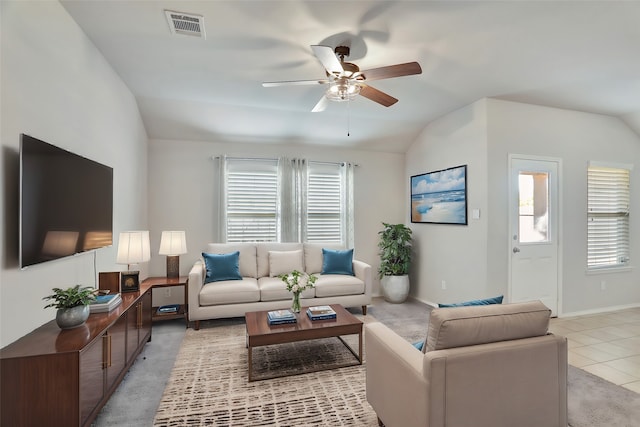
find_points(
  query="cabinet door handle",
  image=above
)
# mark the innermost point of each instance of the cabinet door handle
(105, 351)
(139, 316)
(109, 358)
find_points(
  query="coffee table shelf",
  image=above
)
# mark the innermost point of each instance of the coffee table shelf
(260, 333)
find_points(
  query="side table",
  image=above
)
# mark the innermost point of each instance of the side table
(164, 282)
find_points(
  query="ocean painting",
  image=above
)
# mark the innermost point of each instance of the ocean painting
(440, 196)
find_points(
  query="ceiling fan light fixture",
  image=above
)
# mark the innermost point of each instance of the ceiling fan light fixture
(342, 90)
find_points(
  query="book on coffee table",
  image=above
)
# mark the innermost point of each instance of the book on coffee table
(321, 312)
(279, 317)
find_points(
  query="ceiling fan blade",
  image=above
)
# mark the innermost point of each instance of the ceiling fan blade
(390, 71)
(328, 59)
(296, 82)
(321, 105)
(376, 95)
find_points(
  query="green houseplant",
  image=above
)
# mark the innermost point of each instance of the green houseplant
(72, 305)
(395, 260)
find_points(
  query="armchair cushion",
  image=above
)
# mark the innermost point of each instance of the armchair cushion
(465, 326)
(222, 267)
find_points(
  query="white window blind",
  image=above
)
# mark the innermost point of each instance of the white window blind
(324, 203)
(607, 216)
(251, 200)
(288, 200)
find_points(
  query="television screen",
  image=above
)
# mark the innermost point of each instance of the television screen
(66, 203)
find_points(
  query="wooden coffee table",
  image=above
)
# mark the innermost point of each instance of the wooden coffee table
(260, 333)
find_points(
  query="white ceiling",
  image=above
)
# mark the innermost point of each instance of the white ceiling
(582, 55)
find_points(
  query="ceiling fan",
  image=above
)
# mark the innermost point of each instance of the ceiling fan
(345, 79)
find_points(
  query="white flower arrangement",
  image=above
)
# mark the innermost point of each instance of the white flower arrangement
(297, 281)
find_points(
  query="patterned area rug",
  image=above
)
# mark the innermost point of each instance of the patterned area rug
(208, 385)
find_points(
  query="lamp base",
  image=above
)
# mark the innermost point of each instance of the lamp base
(173, 266)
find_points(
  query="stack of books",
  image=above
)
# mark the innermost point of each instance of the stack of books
(105, 303)
(321, 312)
(279, 317)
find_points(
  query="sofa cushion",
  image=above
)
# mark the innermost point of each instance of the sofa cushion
(262, 254)
(330, 285)
(247, 264)
(313, 255)
(230, 292)
(221, 267)
(472, 325)
(337, 261)
(274, 289)
(486, 301)
(284, 262)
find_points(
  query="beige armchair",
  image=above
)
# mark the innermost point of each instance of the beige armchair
(482, 366)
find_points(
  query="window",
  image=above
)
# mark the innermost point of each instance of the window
(324, 203)
(251, 200)
(533, 211)
(607, 216)
(286, 200)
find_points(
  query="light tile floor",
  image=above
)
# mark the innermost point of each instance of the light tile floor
(605, 344)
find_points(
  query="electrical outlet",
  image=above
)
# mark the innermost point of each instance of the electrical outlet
(444, 285)
(167, 292)
(603, 285)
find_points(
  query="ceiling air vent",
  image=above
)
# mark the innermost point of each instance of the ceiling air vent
(186, 24)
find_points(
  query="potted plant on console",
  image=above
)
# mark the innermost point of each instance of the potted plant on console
(72, 304)
(395, 259)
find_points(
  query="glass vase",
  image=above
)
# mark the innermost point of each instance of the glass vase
(295, 304)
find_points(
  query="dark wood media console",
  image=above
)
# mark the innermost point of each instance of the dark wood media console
(54, 377)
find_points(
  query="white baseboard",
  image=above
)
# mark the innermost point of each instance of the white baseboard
(599, 310)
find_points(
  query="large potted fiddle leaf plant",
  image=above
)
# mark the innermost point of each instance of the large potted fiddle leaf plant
(395, 260)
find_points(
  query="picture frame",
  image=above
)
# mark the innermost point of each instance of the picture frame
(440, 197)
(129, 281)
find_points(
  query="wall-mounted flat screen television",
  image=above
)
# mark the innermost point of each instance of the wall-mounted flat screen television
(66, 203)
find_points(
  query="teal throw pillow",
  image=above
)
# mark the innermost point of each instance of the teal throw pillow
(486, 301)
(418, 345)
(222, 267)
(337, 261)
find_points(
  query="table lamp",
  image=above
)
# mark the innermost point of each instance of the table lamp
(133, 248)
(172, 244)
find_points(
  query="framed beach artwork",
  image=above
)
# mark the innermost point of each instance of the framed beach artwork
(440, 197)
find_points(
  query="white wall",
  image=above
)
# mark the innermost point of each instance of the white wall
(456, 254)
(182, 192)
(474, 259)
(575, 137)
(56, 86)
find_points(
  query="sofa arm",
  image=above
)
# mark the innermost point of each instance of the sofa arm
(196, 281)
(397, 388)
(362, 271)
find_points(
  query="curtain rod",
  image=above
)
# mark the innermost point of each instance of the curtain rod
(216, 157)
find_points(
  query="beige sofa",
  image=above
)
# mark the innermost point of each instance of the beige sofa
(261, 289)
(483, 366)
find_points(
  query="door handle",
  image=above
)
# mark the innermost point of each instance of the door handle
(516, 250)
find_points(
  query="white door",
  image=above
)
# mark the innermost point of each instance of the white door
(534, 230)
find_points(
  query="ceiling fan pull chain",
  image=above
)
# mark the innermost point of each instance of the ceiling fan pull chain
(348, 117)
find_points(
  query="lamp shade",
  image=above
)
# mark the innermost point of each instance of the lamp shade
(173, 243)
(133, 247)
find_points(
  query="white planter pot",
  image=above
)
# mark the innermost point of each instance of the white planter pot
(395, 288)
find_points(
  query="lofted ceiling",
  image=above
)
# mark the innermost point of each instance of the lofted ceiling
(581, 55)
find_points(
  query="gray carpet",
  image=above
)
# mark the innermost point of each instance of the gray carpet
(593, 402)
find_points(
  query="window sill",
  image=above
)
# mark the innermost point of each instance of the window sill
(607, 270)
